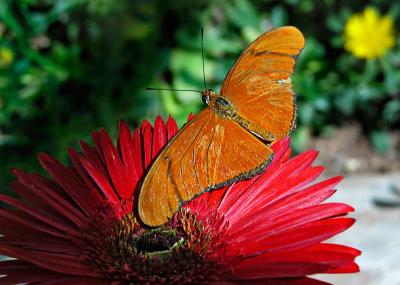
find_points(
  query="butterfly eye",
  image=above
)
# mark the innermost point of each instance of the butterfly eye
(221, 101)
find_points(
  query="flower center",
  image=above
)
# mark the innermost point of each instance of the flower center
(156, 241)
(180, 252)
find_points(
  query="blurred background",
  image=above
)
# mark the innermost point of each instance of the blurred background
(68, 67)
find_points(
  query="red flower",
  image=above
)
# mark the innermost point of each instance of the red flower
(81, 227)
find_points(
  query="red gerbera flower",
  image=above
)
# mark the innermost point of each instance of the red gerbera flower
(81, 227)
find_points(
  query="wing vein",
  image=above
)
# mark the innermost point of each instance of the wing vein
(192, 142)
(207, 156)
(196, 175)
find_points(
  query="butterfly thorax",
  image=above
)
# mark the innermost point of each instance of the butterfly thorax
(218, 104)
(224, 108)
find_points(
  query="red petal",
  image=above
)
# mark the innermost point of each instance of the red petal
(348, 265)
(259, 182)
(282, 281)
(29, 196)
(263, 213)
(21, 272)
(172, 128)
(159, 136)
(93, 156)
(300, 162)
(55, 262)
(322, 259)
(147, 135)
(281, 144)
(18, 217)
(115, 167)
(297, 237)
(101, 181)
(96, 140)
(126, 147)
(49, 193)
(259, 196)
(287, 218)
(77, 281)
(16, 230)
(75, 158)
(190, 117)
(286, 156)
(40, 215)
(71, 183)
(138, 159)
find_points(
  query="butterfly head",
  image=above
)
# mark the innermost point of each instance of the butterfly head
(207, 95)
(217, 103)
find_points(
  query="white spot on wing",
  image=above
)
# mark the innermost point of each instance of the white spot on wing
(285, 81)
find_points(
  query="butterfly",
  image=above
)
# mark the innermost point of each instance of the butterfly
(230, 139)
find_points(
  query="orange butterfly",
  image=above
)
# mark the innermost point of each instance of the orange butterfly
(230, 139)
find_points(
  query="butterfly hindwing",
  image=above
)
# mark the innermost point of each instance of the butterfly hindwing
(208, 152)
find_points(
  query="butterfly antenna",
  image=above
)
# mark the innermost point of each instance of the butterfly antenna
(202, 55)
(204, 73)
(171, 89)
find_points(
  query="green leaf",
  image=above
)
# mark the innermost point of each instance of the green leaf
(300, 138)
(279, 16)
(391, 111)
(242, 13)
(334, 23)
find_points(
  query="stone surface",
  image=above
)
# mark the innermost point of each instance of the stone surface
(376, 232)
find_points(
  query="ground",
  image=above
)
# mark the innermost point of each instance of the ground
(347, 150)
(376, 232)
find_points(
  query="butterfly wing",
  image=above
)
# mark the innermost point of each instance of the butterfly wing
(259, 82)
(208, 152)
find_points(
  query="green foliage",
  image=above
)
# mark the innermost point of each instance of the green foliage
(381, 141)
(67, 67)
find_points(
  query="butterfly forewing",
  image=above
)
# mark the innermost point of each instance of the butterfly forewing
(259, 82)
(209, 151)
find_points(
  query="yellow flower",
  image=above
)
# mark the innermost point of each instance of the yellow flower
(368, 35)
(6, 56)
